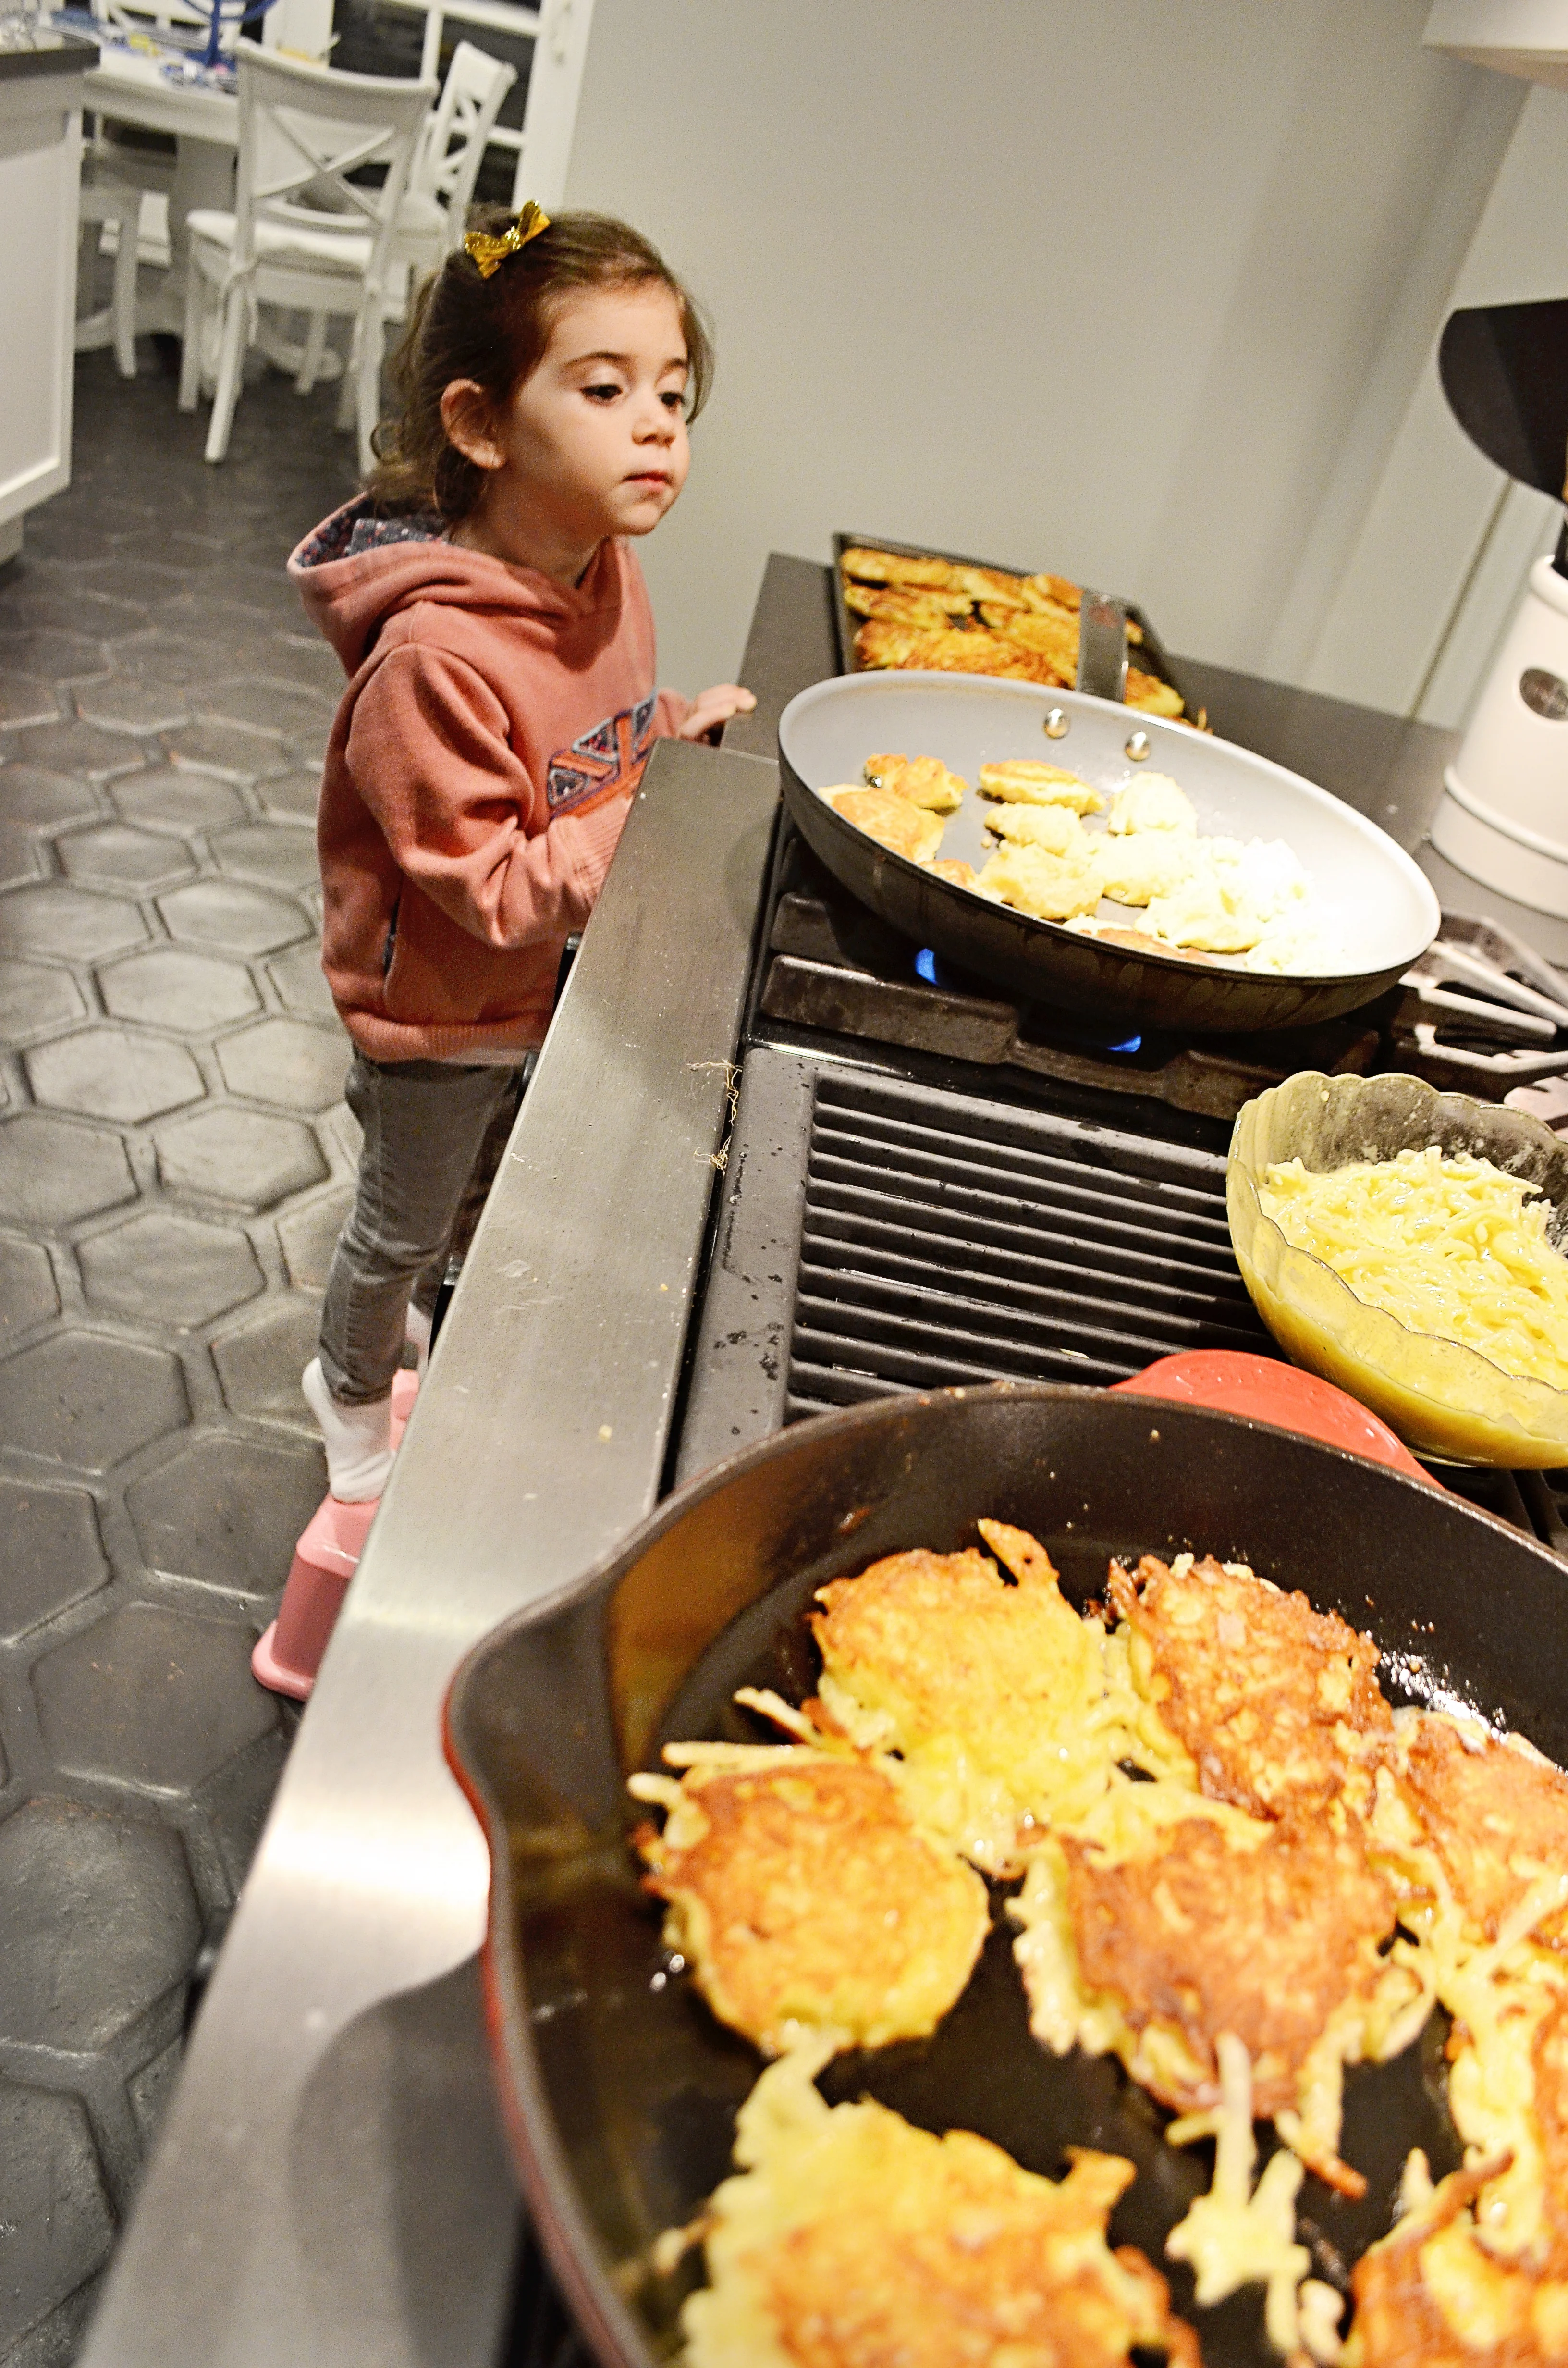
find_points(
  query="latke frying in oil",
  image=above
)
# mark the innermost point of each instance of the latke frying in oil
(1277, 1703)
(1498, 1816)
(891, 820)
(808, 1903)
(852, 2239)
(997, 1696)
(1168, 1920)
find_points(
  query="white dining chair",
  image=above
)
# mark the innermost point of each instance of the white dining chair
(452, 152)
(440, 185)
(305, 131)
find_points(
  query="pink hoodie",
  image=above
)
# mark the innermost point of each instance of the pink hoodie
(479, 772)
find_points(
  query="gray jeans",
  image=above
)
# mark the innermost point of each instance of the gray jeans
(434, 1137)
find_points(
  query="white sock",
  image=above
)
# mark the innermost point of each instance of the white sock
(416, 1332)
(358, 1439)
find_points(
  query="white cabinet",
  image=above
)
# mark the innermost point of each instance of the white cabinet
(40, 158)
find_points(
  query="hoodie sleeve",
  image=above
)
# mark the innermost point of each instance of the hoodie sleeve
(429, 753)
(669, 715)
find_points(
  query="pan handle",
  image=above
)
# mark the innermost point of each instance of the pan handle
(1231, 1380)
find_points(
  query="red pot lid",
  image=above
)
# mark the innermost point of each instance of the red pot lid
(1231, 1380)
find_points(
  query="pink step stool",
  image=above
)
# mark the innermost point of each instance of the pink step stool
(290, 1652)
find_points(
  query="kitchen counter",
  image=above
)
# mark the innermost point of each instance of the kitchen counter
(41, 166)
(331, 2183)
(47, 53)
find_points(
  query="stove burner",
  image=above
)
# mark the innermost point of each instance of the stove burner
(1482, 1012)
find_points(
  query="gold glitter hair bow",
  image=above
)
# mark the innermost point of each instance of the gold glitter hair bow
(490, 254)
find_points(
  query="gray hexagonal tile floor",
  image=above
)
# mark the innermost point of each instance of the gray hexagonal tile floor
(173, 1164)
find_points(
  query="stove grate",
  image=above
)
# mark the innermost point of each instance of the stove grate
(952, 1241)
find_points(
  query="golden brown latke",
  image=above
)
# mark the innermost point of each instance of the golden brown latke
(855, 2240)
(1217, 1932)
(808, 1902)
(1054, 591)
(1549, 2062)
(867, 566)
(1430, 2295)
(923, 781)
(950, 867)
(916, 610)
(991, 1692)
(891, 820)
(1053, 634)
(881, 642)
(1277, 1703)
(1028, 780)
(1497, 1816)
(1034, 881)
(904, 605)
(1150, 695)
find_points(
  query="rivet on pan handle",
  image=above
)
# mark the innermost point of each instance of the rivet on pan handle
(1102, 646)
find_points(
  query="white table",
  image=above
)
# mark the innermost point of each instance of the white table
(130, 86)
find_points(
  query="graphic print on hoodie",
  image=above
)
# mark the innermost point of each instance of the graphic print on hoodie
(480, 770)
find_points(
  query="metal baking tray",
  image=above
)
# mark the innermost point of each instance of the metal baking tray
(1150, 657)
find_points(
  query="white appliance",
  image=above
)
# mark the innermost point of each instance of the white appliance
(1504, 814)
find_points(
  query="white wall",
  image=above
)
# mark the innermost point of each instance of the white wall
(1098, 287)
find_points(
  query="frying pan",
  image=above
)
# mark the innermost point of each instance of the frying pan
(1372, 892)
(620, 2089)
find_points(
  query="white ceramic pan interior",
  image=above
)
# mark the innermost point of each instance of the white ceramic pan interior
(1371, 896)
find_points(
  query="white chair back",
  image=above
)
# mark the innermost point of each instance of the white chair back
(453, 147)
(304, 130)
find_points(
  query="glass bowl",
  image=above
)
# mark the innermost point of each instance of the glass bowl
(1443, 1399)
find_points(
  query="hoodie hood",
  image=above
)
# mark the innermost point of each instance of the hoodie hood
(358, 569)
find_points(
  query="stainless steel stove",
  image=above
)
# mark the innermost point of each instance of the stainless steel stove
(771, 1160)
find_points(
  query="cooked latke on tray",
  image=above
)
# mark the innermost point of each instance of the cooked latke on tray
(1242, 1873)
(1151, 696)
(953, 870)
(807, 1901)
(905, 606)
(960, 619)
(1279, 1705)
(851, 2239)
(891, 820)
(887, 642)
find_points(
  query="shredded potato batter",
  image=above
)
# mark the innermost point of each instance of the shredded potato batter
(1454, 1249)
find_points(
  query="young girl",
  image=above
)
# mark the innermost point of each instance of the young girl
(493, 624)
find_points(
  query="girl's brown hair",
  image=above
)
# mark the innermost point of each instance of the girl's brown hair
(494, 330)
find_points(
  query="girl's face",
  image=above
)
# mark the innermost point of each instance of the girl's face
(594, 441)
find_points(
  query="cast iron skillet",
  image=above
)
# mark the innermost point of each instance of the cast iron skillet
(620, 2088)
(1383, 906)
